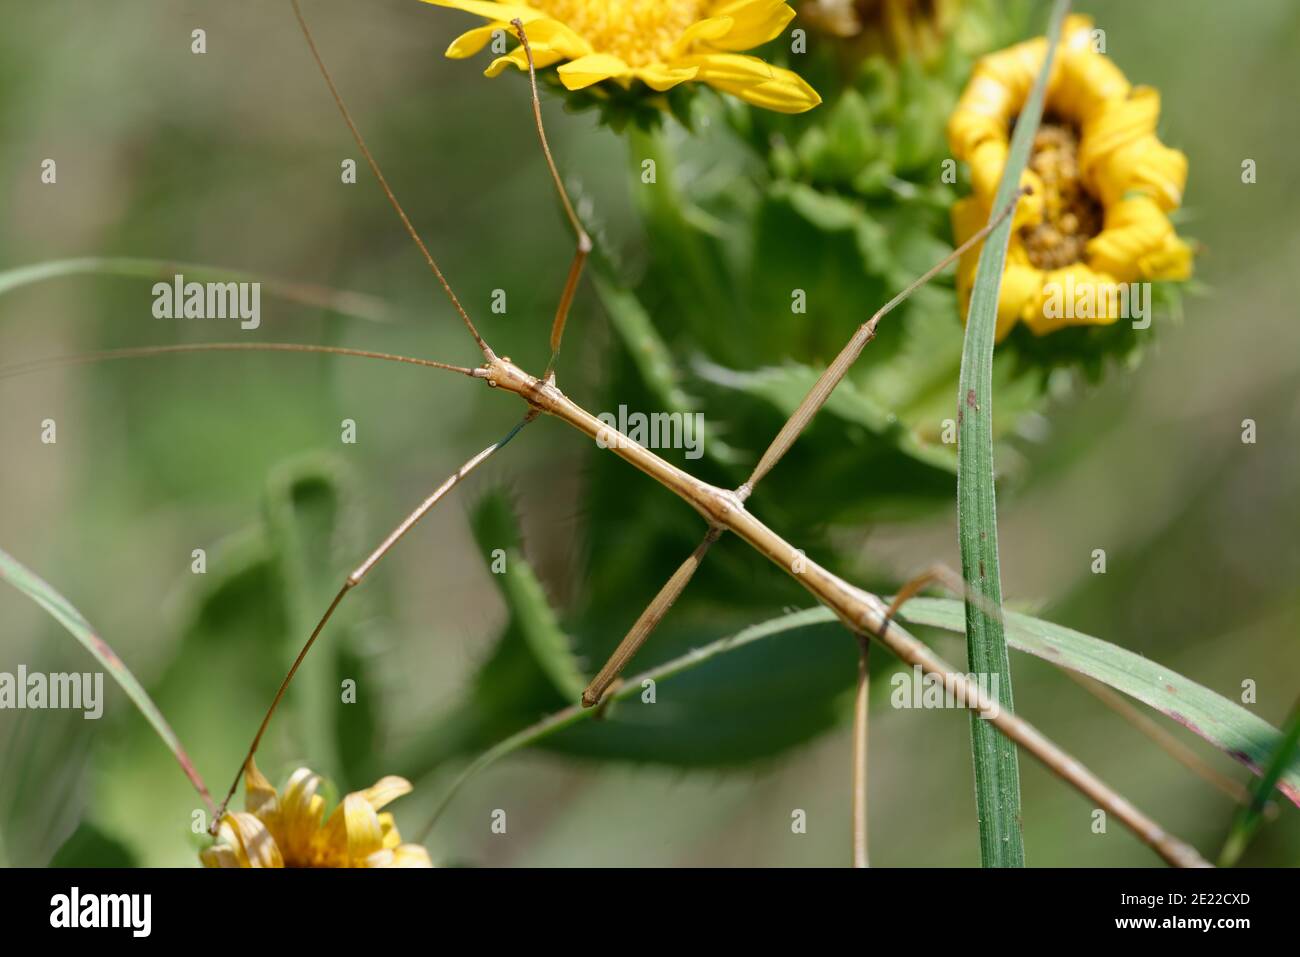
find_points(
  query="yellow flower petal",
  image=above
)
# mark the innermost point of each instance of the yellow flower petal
(406, 855)
(712, 28)
(471, 42)
(518, 58)
(353, 830)
(220, 855)
(411, 855)
(386, 790)
(987, 161)
(388, 829)
(1084, 83)
(1146, 166)
(301, 810)
(1075, 295)
(1139, 242)
(252, 843)
(755, 22)
(584, 71)
(1120, 152)
(259, 793)
(500, 12)
(755, 81)
(663, 77)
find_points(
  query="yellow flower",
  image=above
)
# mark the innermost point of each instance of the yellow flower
(659, 42)
(287, 831)
(893, 28)
(1102, 183)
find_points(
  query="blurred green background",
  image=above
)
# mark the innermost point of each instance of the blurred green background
(232, 158)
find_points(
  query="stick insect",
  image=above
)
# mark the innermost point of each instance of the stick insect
(866, 616)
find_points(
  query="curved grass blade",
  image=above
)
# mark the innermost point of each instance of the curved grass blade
(354, 304)
(59, 608)
(997, 770)
(1251, 816)
(1228, 726)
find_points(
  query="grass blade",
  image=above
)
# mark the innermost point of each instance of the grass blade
(1239, 733)
(354, 304)
(1250, 817)
(997, 771)
(59, 608)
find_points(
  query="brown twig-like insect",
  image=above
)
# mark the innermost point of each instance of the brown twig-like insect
(864, 614)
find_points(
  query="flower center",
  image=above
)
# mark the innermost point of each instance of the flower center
(639, 32)
(1071, 216)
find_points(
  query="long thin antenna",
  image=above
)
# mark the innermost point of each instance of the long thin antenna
(488, 354)
(140, 352)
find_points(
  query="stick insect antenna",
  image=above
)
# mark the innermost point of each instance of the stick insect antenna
(143, 352)
(488, 354)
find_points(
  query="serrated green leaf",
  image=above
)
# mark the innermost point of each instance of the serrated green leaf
(497, 531)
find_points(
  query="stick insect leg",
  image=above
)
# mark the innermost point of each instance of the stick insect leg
(355, 579)
(583, 249)
(648, 619)
(861, 710)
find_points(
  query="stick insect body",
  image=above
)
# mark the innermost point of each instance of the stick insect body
(865, 615)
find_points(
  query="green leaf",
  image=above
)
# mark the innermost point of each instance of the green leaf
(1250, 817)
(354, 304)
(574, 717)
(650, 354)
(41, 592)
(305, 507)
(88, 846)
(997, 770)
(530, 611)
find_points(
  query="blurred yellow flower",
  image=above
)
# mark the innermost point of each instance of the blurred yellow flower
(893, 28)
(1102, 183)
(662, 43)
(287, 831)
